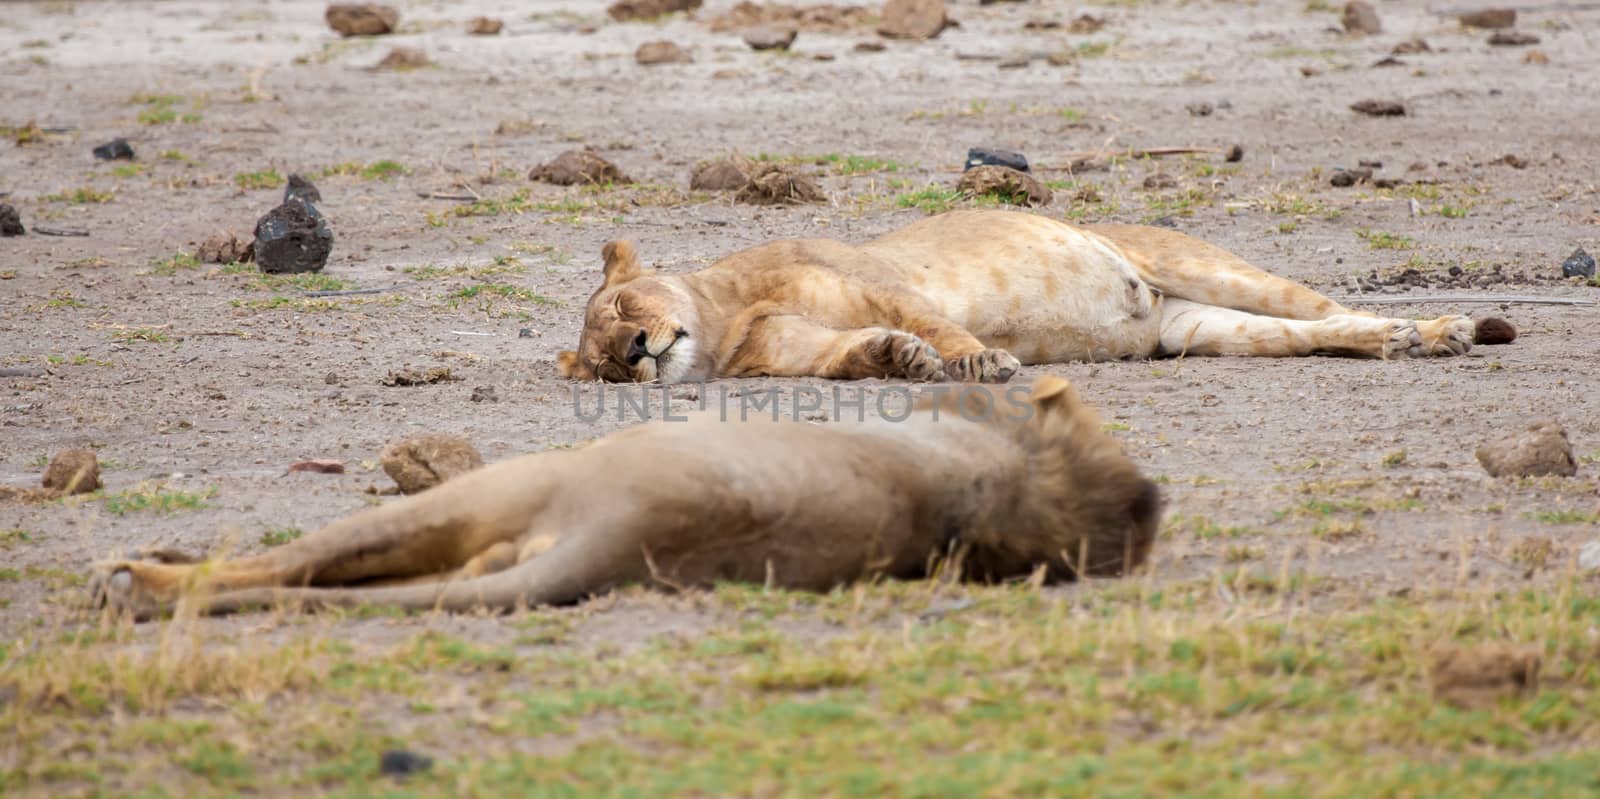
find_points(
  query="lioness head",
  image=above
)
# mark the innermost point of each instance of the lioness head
(638, 327)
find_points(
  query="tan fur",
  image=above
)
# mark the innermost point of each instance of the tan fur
(964, 295)
(1010, 480)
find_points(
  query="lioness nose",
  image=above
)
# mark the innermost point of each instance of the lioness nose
(636, 348)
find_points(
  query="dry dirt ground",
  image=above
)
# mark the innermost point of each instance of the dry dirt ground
(198, 384)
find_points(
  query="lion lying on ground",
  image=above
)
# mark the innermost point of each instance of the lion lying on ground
(1005, 482)
(967, 295)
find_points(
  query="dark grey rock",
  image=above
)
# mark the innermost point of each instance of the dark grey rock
(10, 222)
(1579, 264)
(293, 238)
(113, 150)
(984, 156)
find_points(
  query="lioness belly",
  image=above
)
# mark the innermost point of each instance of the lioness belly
(1040, 289)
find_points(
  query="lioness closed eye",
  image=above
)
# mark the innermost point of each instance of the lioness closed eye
(1007, 481)
(967, 295)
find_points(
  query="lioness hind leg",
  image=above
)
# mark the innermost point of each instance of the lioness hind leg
(1194, 329)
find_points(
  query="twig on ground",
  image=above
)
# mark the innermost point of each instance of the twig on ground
(55, 231)
(1451, 298)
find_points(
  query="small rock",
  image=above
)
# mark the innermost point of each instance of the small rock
(1490, 18)
(361, 19)
(652, 53)
(1061, 58)
(1201, 109)
(1379, 108)
(578, 167)
(1512, 39)
(401, 763)
(1369, 163)
(10, 222)
(870, 47)
(1388, 61)
(1165, 221)
(73, 471)
(301, 189)
(1540, 449)
(1578, 264)
(779, 184)
(484, 26)
(484, 394)
(412, 376)
(987, 156)
(331, 378)
(823, 56)
(224, 248)
(1479, 676)
(1386, 183)
(1493, 330)
(526, 332)
(1009, 185)
(114, 149)
(319, 466)
(913, 19)
(1361, 17)
(1536, 57)
(422, 462)
(1235, 154)
(1014, 62)
(402, 59)
(292, 238)
(1041, 25)
(1160, 180)
(719, 175)
(1411, 47)
(1350, 177)
(1086, 23)
(631, 10)
(769, 37)
(1589, 556)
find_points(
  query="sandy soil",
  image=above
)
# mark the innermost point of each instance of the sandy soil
(230, 392)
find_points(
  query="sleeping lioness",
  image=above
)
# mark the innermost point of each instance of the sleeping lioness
(1009, 482)
(967, 295)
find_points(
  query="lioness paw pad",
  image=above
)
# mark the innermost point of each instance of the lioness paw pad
(1447, 335)
(989, 366)
(905, 355)
(1403, 340)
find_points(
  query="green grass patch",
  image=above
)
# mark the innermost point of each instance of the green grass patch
(156, 498)
(377, 170)
(253, 181)
(87, 195)
(148, 335)
(930, 200)
(1380, 240)
(852, 165)
(278, 536)
(175, 262)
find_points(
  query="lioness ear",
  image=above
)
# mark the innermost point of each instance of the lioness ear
(567, 364)
(1053, 392)
(622, 262)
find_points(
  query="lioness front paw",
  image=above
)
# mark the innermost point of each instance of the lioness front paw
(1447, 335)
(988, 366)
(904, 355)
(1402, 340)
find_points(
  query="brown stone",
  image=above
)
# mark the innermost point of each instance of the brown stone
(1379, 108)
(73, 471)
(1411, 47)
(1540, 449)
(484, 26)
(1086, 23)
(1490, 18)
(826, 18)
(578, 167)
(1360, 17)
(651, 53)
(419, 463)
(225, 248)
(720, 175)
(631, 10)
(1512, 39)
(778, 184)
(1478, 676)
(405, 58)
(1536, 57)
(769, 37)
(361, 19)
(1009, 185)
(913, 19)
